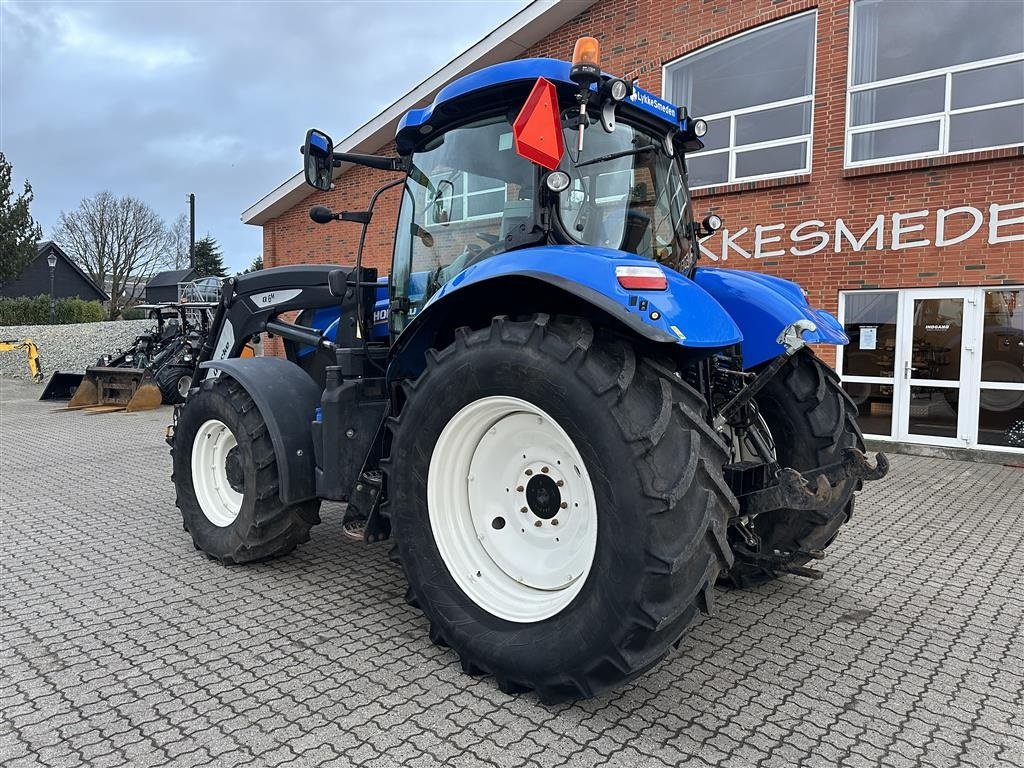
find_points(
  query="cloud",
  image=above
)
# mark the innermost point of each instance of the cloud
(159, 99)
(77, 34)
(196, 148)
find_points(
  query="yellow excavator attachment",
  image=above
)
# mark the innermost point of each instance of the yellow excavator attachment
(128, 389)
(31, 351)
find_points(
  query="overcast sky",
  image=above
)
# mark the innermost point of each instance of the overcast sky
(159, 99)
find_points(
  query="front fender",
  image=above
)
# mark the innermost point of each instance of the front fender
(685, 314)
(762, 305)
(287, 399)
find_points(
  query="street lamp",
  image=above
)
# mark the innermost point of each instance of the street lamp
(52, 261)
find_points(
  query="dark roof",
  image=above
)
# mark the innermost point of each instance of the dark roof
(45, 245)
(172, 277)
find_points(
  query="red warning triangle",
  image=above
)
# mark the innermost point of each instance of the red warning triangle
(537, 130)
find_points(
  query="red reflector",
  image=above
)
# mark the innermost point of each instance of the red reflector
(643, 283)
(641, 278)
(537, 130)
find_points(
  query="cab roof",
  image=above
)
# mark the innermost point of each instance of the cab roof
(416, 123)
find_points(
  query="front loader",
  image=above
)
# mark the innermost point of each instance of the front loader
(570, 433)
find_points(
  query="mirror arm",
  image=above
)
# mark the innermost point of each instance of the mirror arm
(371, 161)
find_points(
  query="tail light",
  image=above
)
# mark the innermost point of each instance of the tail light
(641, 278)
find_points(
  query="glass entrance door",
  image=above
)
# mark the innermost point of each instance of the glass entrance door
(933, 366)
(940, 366)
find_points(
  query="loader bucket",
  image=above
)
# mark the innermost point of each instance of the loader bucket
(146, 397)
(61, 386)
(132, 389)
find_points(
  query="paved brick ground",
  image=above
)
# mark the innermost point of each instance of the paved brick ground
(124, 646)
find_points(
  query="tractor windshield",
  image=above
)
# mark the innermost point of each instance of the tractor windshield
(465, 192)
(626, 193)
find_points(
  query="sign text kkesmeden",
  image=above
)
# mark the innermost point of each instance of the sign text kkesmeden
(896, 232)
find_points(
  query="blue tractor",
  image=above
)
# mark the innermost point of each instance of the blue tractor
(569, 431)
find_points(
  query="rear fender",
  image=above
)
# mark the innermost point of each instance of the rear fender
(566, 279)
(762, 305)
(287, 399)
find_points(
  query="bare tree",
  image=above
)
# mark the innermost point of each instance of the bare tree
(119, 241)
(177, 236)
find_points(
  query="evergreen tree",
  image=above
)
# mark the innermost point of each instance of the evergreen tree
(19, 232)
(256, 266)
(209, 260)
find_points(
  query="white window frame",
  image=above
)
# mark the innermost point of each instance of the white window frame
(970, 384)
(462, 199)
(805, 139)
(942, 118)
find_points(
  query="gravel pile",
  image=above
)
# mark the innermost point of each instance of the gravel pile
(68, 347)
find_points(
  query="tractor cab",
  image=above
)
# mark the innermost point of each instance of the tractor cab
(531, 153)
(470, 195)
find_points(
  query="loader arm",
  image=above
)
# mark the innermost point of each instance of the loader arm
(31, 353)
(259, 303)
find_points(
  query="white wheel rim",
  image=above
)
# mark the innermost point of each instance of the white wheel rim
(218, 500)
(497, 457)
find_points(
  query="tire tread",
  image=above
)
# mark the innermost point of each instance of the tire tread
(277, 527)
(659, 415)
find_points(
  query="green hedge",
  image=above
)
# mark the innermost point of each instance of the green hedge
(35, 310)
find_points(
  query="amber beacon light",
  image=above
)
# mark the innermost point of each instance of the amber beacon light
(586, 61)
(585, 71)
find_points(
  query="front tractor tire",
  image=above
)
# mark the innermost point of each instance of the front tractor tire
(557, 503)
(810, 420)
(226, 479)
(174, 382)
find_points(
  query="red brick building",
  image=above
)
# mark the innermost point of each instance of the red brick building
(870, 150)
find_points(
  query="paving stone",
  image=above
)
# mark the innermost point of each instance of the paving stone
(124, 646)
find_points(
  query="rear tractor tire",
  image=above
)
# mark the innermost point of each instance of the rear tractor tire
(226, 479)
(811, 420)
(558, 505)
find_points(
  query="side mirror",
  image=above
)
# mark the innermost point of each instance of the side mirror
(441, 203)
(319, 165)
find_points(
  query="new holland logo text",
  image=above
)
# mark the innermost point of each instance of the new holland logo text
(654, 103)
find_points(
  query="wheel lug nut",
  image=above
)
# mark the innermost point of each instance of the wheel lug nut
(545, 470)
(538, 524)
(565, 505)
(529, 472)
(560, 483)
(519, 488)
(524, 510)
(554, 521)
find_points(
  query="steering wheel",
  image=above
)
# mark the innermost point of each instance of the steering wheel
(471, 254)
(497, 246)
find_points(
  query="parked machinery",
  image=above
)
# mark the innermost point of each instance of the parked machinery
(569, 431)
(35, 367)
(157, 367)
